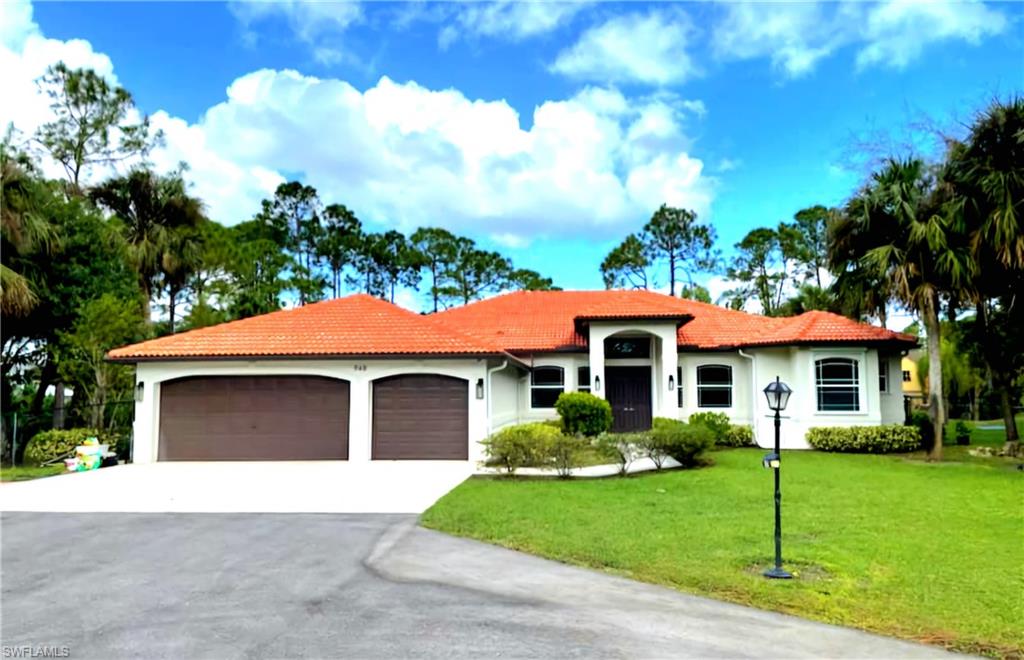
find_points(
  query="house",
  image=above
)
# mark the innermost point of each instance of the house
(359, 379)
(913, 384)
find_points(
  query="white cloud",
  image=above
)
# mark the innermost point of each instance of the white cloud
(507, 19)
(898, 32)
(728, 165)
(647, 48)
(795, 36)
(404, 155)
(309, 21)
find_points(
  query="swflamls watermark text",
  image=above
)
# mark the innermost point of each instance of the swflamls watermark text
(35, 651)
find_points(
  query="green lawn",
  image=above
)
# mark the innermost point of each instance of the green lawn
(931, 552)
(24, 472)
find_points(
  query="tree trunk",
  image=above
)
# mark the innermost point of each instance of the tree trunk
(1012, 445)
(671, 274)
(433, 286)
(46, 376)
(930, 314)
(147, 312)
(58, 405)
(883, 315)
(172, 303)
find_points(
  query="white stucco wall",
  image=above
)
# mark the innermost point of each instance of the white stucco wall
(569, 362)
(663, 360)
(359, 373)
(505, 397)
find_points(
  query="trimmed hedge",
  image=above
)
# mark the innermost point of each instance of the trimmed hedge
(737, 435)
(865, 439)
(584, 414)
(46, 446)
(522, 445)
(718, 423)
(686, 443)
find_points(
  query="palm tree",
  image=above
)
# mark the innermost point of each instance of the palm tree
(986, 175)
(150, 208)
(24, 228)
(897, 230)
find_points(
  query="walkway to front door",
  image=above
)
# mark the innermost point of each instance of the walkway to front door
(629, 393)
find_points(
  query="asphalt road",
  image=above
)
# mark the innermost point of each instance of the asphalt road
(353, 586)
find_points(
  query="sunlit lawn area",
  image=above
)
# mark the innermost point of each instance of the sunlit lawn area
(25, 472)
(930, 552)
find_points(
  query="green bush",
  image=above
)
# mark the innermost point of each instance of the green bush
(555, 423)
(963, 433)
(738, 435)
(623, 448)
(865, 439)
(925, 428)
(718, 423)
(686, 443)
(564, 453)
(522, 445)
(46, 446)
(651, 442)
(583, 413)
(665, 422)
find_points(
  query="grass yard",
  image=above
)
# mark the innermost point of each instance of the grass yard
(928, 552)
(25, 472)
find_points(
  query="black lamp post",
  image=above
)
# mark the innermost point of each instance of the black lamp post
(778, 396)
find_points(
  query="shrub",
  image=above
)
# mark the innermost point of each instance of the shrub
(963, 433)
(564, 453)
(46, 446)
(865, 439)
(650, 443)
(665, 422)
(683, 442)
(925, 428)
(555, 424)
(623, 448)
(521, 445)
(717, 422)
(738, 435)
(583, 413)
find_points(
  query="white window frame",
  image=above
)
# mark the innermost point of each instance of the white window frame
(858, 364)
(560, 387)
(680, 395)
(580, 385)
(715, 386)
(883, 375)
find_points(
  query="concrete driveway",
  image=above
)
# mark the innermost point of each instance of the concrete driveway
(354, 586)
(257, 486)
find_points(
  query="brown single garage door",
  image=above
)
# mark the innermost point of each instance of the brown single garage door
(420, 416)
(254, 418)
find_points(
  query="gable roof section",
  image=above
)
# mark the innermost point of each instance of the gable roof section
(357, 325)
(528, 321)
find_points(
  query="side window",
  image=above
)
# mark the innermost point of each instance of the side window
(546, 383)
(583, 379)
(679, 387)
(906, 376)
(883, 375)
(838, 384)
(714, 386)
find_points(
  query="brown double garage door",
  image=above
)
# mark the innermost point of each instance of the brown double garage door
(279, 418)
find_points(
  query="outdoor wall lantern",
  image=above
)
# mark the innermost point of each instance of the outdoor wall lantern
(479, 388)
(778, 396)
(140, 389)
(597, 383)
(671, 383)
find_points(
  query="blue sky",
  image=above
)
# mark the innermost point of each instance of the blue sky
(548, 131)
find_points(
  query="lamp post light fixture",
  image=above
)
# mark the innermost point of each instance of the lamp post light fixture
(778, 396)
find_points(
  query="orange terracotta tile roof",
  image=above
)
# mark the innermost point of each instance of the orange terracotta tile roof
(527, 321)
(354, 325)
(520, 322)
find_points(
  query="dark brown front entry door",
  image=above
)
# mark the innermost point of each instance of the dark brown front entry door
(254, 418)
(420, 417)
(629, 393)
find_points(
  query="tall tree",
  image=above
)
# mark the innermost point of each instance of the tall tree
(293, 216)
(475, 273)
(626, 265)
(523, 279)
(896, 228)
(760, 269)
(398, 262)
(985, 173)
(255, 268)
(438, 249)
(90, 125)
(686, 246)
(811, 225)
(151, 208)
(342, 234)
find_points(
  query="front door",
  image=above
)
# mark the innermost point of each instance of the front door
(629, 393)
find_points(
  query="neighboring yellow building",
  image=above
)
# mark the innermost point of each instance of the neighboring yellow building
(913, 384)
